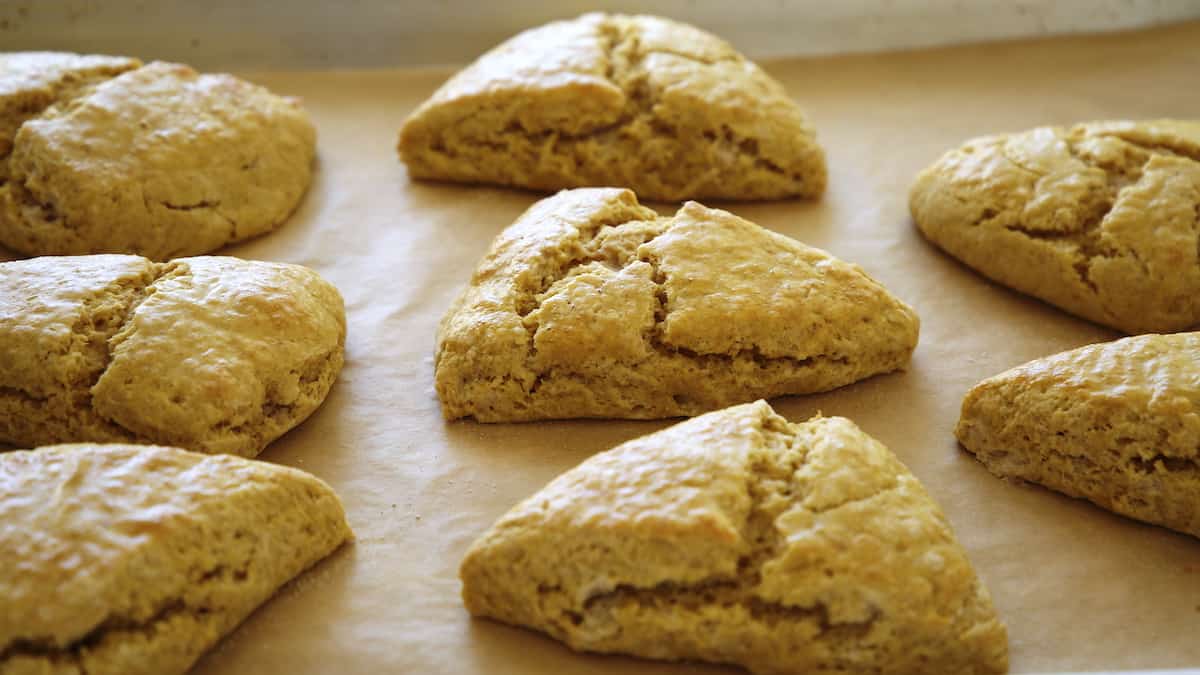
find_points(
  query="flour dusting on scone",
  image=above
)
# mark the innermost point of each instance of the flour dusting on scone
(591, 305)
(643, 102)
(1116, 423)
(135, 560)
(738, 537)
(1101, 219)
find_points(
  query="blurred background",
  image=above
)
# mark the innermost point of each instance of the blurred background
(381, 33)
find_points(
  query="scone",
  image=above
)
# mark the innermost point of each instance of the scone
(156, 160)
(1116, 423)
(135, 560)
(211, 354)
(638, 101)
(737, 537)
(1099, 219)
(591, 305)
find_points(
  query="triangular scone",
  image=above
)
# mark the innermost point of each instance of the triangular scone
(1102, 219)
(135, 560)
(591, 305)
(661, 107)
(737, 537)
(1116, 423)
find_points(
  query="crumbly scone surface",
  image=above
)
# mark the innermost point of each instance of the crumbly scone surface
(664, 108)
(212, 354)
(736, 537)
(30, 82)
(591, 305)
(159, 161)
(1117, 423)
(1100, 219)
(130, 560)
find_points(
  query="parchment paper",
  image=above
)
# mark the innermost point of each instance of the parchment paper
(1080, 588)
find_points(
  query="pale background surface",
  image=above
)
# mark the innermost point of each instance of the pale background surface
(377, 33)
(1080, 589)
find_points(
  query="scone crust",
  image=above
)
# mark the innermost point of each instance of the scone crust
(132, 560)
(591, 305)
(30, 82)
(159, 161)
(659, 106)
(1100, 219)
(737, 537)
(1116, 423)
(213, 354)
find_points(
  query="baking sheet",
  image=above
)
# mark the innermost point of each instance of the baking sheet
(1079, 588)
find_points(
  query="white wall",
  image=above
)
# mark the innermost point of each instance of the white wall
(369, 33)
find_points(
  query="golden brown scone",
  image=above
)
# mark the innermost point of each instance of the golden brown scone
(158, 161)
(212, 354)
(658, 106)
(1102, 219)
(1116, 423)
(591, 305)
(30, 82)
(135, 560)
(737, 537)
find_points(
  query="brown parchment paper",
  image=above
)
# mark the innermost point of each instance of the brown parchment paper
(1080, 588)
